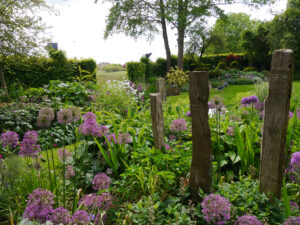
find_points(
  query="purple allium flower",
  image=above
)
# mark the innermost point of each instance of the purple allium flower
(80, 217)
(216, 209)
(172, 137)
(245, 101)
(111, 138)
(70, 172)
(124, 138)
(91, 201)
(103, 129)
(294, 206)
(188, 114)
(39, 205)
(291, 115)
(89, 116)
(248, 220)
(89, 127)
(92, 98)
(210, 105)
(178, 125)
(139, 88)
(45, 117)
(10, 139)
(101, 181)
(259, 106)
(262, 114)
(298, 114)
(65, 116)
(61, 152)
(32, 135)
(100, 219)
(167, 146)
(294, 167)
(292, 221)
(216, 103)
(29, 148)
(106, 199)
(230, 131)
(60, 216)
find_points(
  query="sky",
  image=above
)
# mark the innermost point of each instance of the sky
(78, 28)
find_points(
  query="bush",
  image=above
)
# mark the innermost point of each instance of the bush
(234, 64)
(214, 74)
(250, 68)
(221, 66)
(112, 68)
(136, 71)
(148, 69)
(214, 59)
(177, 77)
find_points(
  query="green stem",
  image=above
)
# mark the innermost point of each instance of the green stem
(75, 157)
(53, 164)
(49, 168)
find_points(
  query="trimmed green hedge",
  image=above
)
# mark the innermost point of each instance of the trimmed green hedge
(38, 71)
(136, 71)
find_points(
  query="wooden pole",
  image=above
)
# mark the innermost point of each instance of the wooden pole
(157, 120)
(161, 88)
(201, 168)
(276, 117)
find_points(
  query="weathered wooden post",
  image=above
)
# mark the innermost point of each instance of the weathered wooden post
(201, 168)
(161, 88)
(277, 105)
(157, 120)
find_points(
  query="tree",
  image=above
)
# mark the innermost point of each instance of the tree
(229, 29)
(20, 29)
(138, 18)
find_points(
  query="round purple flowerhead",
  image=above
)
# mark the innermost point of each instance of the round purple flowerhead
(230, 131)
(10, 139)
(80, 217)
(245, 101)
(167, 146)
(248, 220)
(178, 125)
(45, 117)
(253, 99)
(292, 221)
(189, 114)
(101, 181)
(91, 201)
(70, 172)
(216, 103)
(111, 138)
(124, 138)
(294, 167)
(106, 199)
(89, 116)
(29, 148)
(61, 153)
(65, 116)
(60, 216)
(216, 209)
(89, 127)
(32, 135)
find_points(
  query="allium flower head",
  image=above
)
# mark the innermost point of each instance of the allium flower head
(40, 196)
(91, 201)
(80, 217)
(189, 114)
(245, 101)
(178, 125)
(253, 99)
(29, 148)
(111, 138)
(65, 116)
(45, 117)
(103, 129)
(259, 106)
(61, 153)
(33, 135)
(294, 167)
(294, 206)
(106, 199)
(216, 209)
(292, 221)
(230, 131)
(167, 146)
(101, 181)
(216, 103)
(248, 220)
(291, 115)
(124, 138)
(70, 172)
(60, 216)
(10, 139)
(89, 127)
(89, 116)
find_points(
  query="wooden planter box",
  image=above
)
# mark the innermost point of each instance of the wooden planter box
(171, 91)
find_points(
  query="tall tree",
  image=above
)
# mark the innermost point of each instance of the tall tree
(20, 29)
(138, 18)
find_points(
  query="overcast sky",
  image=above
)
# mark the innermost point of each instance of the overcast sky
(79, 27)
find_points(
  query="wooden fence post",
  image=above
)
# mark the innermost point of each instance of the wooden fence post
(157, 120)
(276, 117)
(161, 88)
(201, 168)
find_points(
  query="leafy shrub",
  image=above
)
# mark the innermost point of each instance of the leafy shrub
(214, 59)
(136, 71)
(234, 64)
(249, 68)
(241, 81)
(215, 84)
(148, 69)
(221, 66)
(214, 73)
(112, 68)
(177, 77)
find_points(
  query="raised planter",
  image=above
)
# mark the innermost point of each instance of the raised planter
(171, 91)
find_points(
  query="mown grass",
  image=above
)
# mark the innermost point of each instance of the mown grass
(104, 76)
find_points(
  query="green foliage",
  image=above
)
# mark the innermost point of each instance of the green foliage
(214, 59)
(234, 64)
(250, 68)
(136, 71)
(148, 69)
(221, 66)
(112, 68)
(177, 77)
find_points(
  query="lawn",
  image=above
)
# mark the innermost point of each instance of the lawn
(104, 76)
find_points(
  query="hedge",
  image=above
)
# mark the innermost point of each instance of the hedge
(38, 71)
(136, 71)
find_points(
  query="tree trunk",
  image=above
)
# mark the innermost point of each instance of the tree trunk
(180, 43)
(165, 35)
(2, 80)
